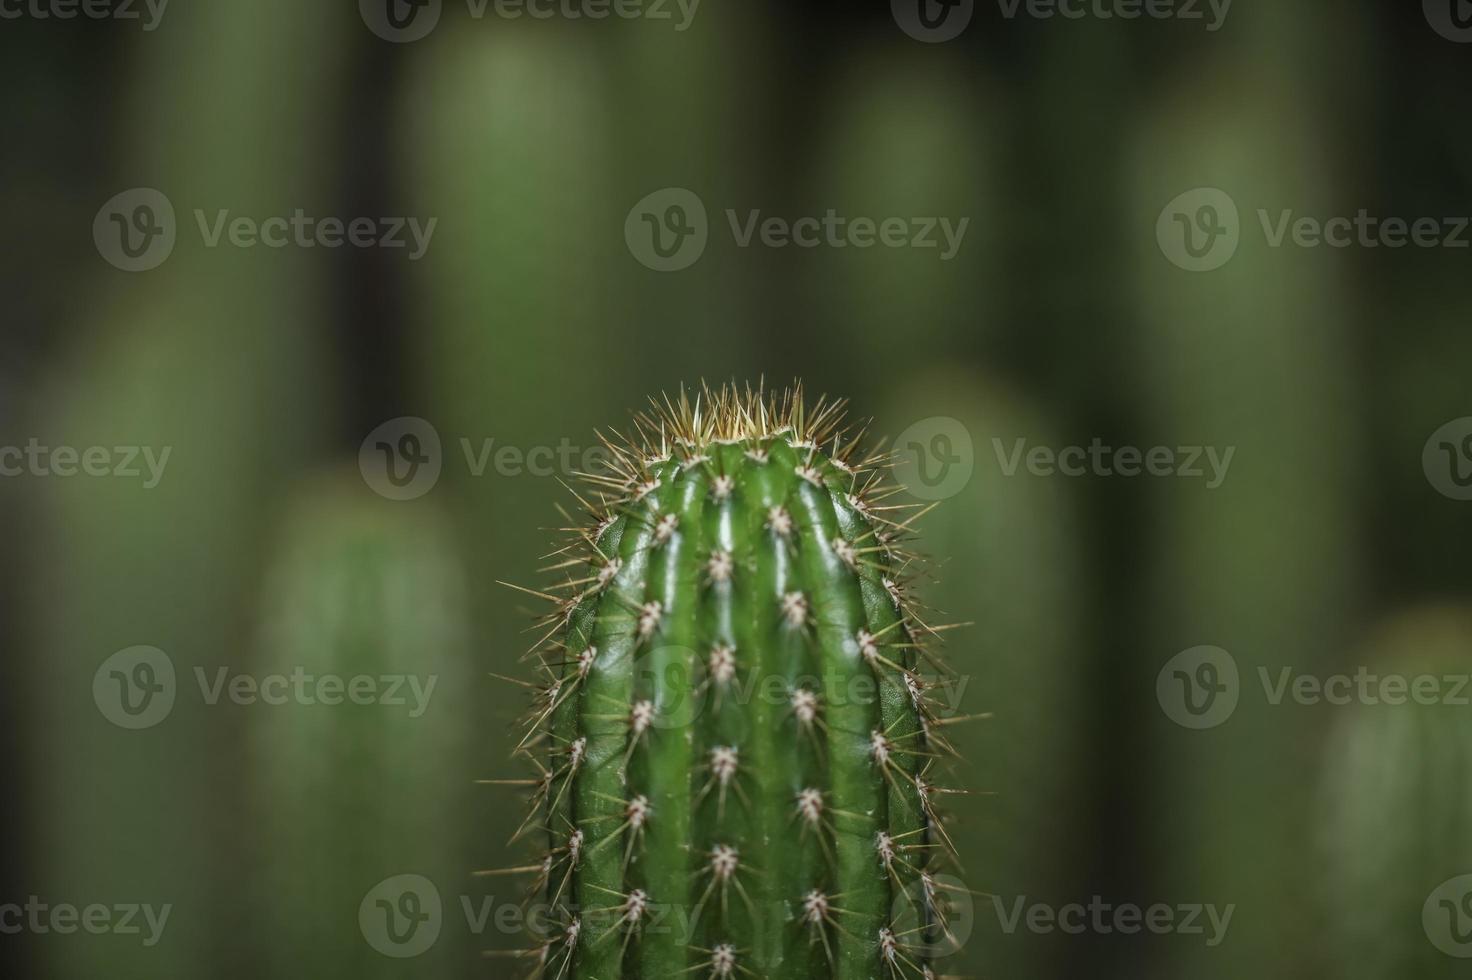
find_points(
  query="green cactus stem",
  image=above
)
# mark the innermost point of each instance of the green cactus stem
(738, 748)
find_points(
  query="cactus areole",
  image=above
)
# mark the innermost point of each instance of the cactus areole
(733, 740)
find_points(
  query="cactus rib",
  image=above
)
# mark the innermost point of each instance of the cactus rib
(738, 747)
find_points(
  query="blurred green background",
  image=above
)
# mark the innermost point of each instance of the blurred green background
(1096, 293)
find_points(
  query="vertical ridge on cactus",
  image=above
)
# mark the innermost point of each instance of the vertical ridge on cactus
(734, 744)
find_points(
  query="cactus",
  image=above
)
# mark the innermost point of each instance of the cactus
(1396, 811)
(738, 749)
(365, 594)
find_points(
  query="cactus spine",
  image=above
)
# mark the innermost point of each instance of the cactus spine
(739, 746)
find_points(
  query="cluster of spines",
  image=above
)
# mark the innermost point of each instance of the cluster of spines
(668, 487)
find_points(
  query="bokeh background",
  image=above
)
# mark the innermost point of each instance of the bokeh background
(1336, 834)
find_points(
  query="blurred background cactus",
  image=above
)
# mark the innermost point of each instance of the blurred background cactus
(1008, 559)
(1077, 149)
(1254, 354)
(1396, 807)
(364, 777)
